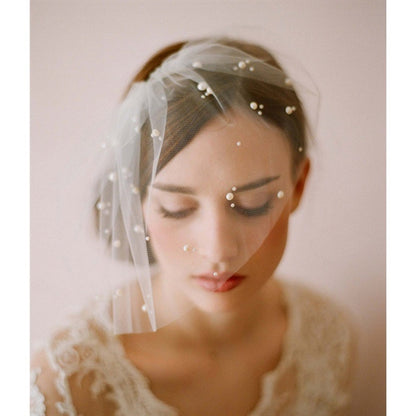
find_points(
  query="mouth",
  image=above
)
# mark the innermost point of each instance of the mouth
(222, 282)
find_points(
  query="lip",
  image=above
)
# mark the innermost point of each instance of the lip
(223, 282)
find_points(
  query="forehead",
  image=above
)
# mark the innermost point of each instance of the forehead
(239, 146)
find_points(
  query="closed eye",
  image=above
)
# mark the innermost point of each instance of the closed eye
(254, 212)
(176, 214)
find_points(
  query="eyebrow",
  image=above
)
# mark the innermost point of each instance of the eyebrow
(190, 191)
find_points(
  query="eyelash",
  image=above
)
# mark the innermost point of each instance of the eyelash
(246, 212)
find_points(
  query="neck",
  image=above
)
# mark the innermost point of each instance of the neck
(218, 329)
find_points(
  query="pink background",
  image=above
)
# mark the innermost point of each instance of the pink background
(83, 53)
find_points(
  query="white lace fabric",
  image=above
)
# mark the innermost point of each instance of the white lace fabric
(92, 375)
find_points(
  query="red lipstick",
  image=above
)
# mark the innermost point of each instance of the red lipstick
(222, 282)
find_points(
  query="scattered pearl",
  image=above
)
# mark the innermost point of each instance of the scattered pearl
(147, 238)
(251, 69)
(253, 105)
(134, 190)
(112, 176)
(238, 143)
(280, 194)
(197, 64)
(136, 129)
(229, 196)
(261, 106)
(155, 133)
(234, 188)
(242, 64)
(100, 205)
(290, 109)
(235, 68)
(300, 149)
(232, 205)
(144, 308)
(259, 113)
(209, 91)
(288, 81)
(106, 231)
(186, 247)
(202, 86)
(202, 96)
(215, 274)
(116, 243)
(247, 61)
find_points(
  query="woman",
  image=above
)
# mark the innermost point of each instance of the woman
(210, 159)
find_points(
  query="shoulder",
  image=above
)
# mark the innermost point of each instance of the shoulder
(322, 343)
(317, 316)
(67, 374)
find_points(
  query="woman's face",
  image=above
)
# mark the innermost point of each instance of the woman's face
(217, 214)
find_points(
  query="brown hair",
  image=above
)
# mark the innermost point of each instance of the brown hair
(187, 113)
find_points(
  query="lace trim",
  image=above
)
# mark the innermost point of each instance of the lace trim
(315, 347)
(66, 406)
(37, 399)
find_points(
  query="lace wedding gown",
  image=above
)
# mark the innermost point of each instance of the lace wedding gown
(86, 363)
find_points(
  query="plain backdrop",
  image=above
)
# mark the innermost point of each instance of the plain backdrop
(83, 54)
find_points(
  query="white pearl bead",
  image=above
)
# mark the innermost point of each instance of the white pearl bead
(259, 113)
(144, 308)
(215, 274)
(300, 149)
(106, 231)
(253, 105)
(238, 143)
(261, 106)
(280, 194)
(202, 86)
(186, 247)
(288, 110)
(242, 64)
(197, 64)
(288, 81)
(112, 176)
(229, 196)
(116, 243)
(232, 205)
(209, 91)
(235, 68)
(155, 133)
(251, 69)
(100, 205)
(147, 238)
(135, 190)
(234, 188)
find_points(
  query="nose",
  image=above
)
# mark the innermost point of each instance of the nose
(218, 238)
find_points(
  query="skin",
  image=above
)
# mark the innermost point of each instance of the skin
(194, 363)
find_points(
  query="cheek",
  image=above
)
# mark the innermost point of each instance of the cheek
(271, 251)
(166, 240)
